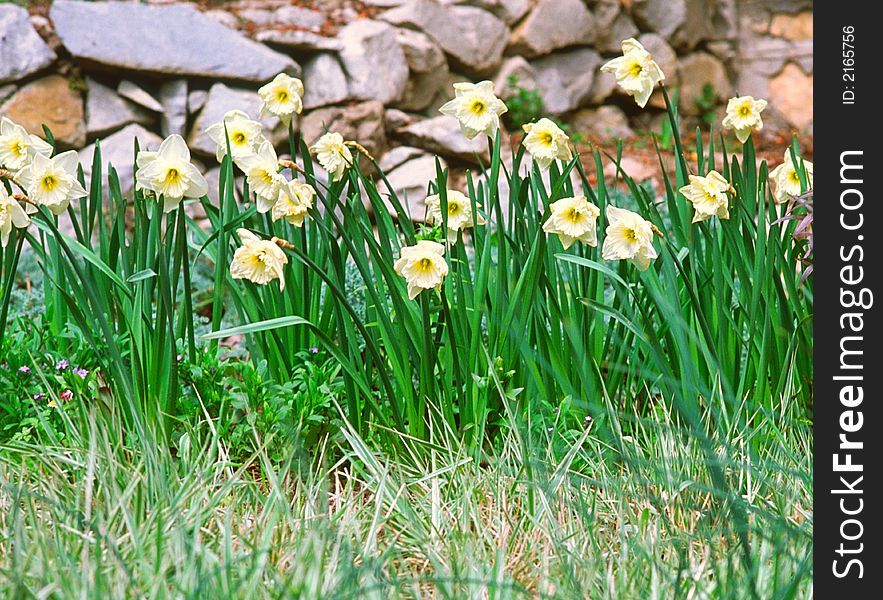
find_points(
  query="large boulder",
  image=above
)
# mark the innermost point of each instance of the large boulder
(324, 81)
(662, 16)
(551, 25)
(106, 111)
(374, 62)
(791, 93)
(119, 150)
(162, 39)
(297, 39)
(566, 79)
(473, 38)
(696, 71)
(22, 50)
(442, 135)
(429, 69)
(49, 101)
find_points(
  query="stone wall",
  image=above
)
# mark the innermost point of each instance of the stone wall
(377, 70)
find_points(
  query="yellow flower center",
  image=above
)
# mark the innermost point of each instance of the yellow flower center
(239, 138)
(635, 69)
(173, 176)
(545, 138)
(425, 265)
(282, 95)
(745, 110)
(267, 177)
(17, 148)
(794, 177)
(573, 215)
(49, 182)
(630, 235)
(478, 107)
(709, 197)
(453, 208)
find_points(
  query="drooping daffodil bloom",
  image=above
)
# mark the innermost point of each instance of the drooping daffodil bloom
(636, 72)
(709, 196)
(423, 266)
(294, 202)
(11, 215)
(169, 174)
(244, 134)
(18, 147)
(283, 97)
(787, 179)
(743, 116)
(628, 237)
(52, 182)
(476, 108)
(262, 174)
(573, 219)
(460, 215)
(333, 154)
(259, 261)
(546, 142)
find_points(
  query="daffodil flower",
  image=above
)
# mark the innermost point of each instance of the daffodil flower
(18, 147)
(743, 116)
(244, 134)
(169, 173)
(787, 179)
(460, 214)
(573, 219)
(708, 195)
(294, 202)
(262, 173)
(628, 237)
(259, 261)
(546, 142)
(11, 215)
(636, 72)
(333, 154)
(283, 97)
(52, 182)
(476, 108)
(423, 266)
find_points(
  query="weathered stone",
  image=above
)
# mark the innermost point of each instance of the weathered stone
(297, 39)
(196, 100)
(324, 81)
(361, 122)
(173, 97)
(395, 119)
(410, 181)
(509, 11)
(603, 123)
(222, 99)
(695, 72)
(106, 111)
(704, 21)
(373, 61)
(135, 93)
(119, 150)
(602, 88)
(473, 38)
(791, 93)
(793, 28)
(566, 79)
(149, 38)
(612, 25)
(638, 170)
(442, 135)
(397, 156)
(662, 16)
(287, 16)
(429, 69)
(553, 24)
(515, 69)
(52, 102)
(22, 50)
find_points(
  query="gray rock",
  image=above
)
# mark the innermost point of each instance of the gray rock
(612, 25)
(510, 11)
(324, 81)
(410, 182)
(603, 87)
(442, 135)
(361, 122)
(473, 38)
(551, 25)
(429, 69)
(119, 150)
(288, 16)
(49, 101)
(222, 99)
(695, 72)
(396, 119)
(706, 21)
(603, 123)
(517, 67)
(22, 50)
(662, 16)
(106, 111)
(196, 100)
(397, 156)
(297, 39)
(566, 79)
(148, 38)
(373, 61)
(138, 95)
(173, 97)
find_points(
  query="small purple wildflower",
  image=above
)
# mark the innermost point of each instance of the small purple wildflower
(557, 410)
(314, 350)
(62, 364)
(180, 357)
(40, 396)
(551, 429)
(81, 372)
(24, 370)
